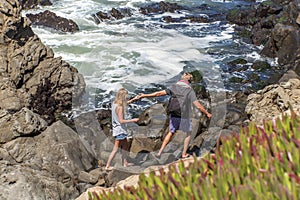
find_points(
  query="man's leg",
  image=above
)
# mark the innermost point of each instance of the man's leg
(125, 150)
(186, 144)
(165, 142)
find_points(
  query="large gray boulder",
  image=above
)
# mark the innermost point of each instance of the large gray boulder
(45, 166)
(274, 100)
(21, 123)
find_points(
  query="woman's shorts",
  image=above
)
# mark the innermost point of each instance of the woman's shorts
(184, 125)
(121, 137)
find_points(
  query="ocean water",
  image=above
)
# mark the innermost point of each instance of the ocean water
(139, 51)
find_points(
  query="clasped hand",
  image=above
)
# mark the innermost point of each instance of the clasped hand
(139, 96)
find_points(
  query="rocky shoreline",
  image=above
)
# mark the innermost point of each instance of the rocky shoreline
(43, 158)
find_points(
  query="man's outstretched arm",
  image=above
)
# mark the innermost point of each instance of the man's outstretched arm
(154, 94)
(202, 109)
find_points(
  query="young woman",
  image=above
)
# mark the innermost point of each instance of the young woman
(119, 129)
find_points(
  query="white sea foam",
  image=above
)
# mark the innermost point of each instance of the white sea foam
(162, 55)
(132, 52)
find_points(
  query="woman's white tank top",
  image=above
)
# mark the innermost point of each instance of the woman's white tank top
(118, 128)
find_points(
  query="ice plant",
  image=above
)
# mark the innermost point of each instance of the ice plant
(259, 163)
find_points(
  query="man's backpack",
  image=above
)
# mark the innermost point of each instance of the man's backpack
(178, 102)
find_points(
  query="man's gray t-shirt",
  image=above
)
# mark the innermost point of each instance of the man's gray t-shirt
(184, 89)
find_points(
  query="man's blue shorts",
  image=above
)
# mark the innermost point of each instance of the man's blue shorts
(184, 125)
(121, 137)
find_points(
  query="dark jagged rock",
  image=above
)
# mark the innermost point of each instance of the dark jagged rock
(114, 14)
(274, 25)
(160, 7)
(208, 14)
(193, 19)
(241, 17)
(261, 66)
(267, 9)
(283, 36)
(51, 20)
(29, 4)
(100, 16)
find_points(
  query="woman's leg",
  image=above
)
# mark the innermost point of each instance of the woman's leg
(113, 154)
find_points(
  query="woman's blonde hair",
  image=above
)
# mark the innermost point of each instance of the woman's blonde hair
(121, 98)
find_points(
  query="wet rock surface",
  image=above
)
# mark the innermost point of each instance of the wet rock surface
(274, 25)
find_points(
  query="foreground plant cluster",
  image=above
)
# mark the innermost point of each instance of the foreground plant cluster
(259, 163)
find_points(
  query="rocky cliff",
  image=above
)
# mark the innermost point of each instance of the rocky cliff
(40, 157)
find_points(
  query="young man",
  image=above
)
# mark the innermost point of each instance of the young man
(183, 121)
